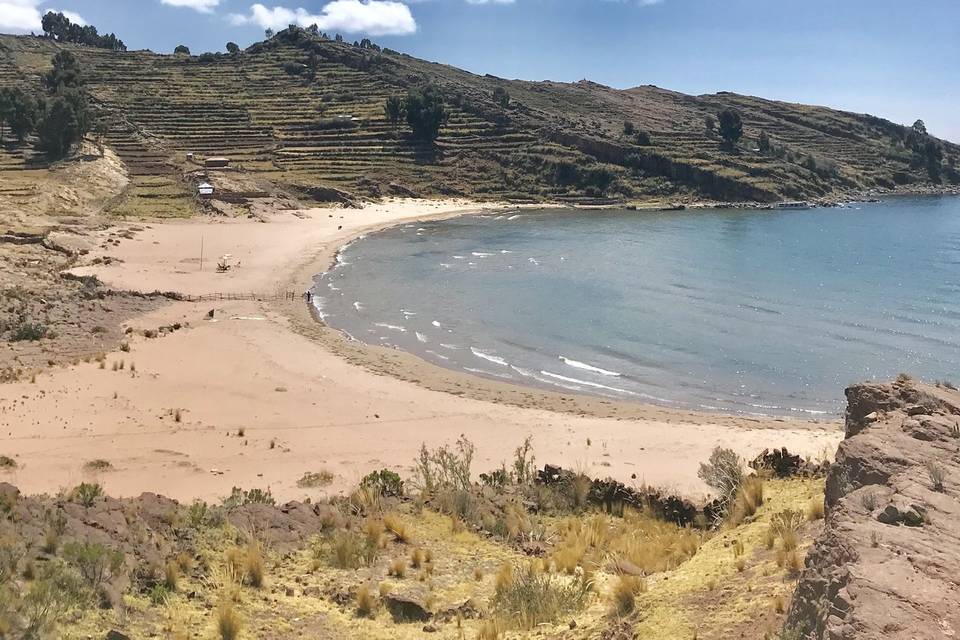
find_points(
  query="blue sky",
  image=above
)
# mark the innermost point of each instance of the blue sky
(896, 59)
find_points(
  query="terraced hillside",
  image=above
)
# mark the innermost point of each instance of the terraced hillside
(282, 119)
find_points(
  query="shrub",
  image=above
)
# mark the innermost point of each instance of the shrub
(723, 472)
(94, 561)
(171, 575)
(228, 621)
(313, 479)
(870, 500)
(445, 468)
(386, 482)
(7, 463)
(416, 558)
(86, 493)
(531, 598)
(238, 498)
(29, 332)
(98, 465)
(524, 464)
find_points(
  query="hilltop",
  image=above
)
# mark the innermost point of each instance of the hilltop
(279, 111)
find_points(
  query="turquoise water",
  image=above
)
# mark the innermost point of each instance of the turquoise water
(755, 312)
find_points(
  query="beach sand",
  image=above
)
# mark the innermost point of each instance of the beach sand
(306, 399)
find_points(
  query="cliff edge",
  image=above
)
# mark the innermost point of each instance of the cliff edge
(887, 564)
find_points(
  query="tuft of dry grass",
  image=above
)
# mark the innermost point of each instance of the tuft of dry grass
(489, 630)
(366, 602)
(228, 621)
(416, 558)
(747, 500)
(779, 605)
(98, 465)
(395, 525)
(348, 550)
(385, 589)
(253, 568)
(398, 568)
(815, 510)
(374, 530)
(624, 593)
(456, 525)
(740, 564)
(938, 475)
(794, 563)
(478, 574)
(171, 575)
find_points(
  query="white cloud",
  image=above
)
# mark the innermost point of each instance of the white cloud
(373, 17)
(203, 6)
(21, 16)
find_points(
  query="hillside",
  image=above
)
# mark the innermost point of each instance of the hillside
(277, 120)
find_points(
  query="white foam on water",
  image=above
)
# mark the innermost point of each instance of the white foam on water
(489, 357)
(505, 376)
(481, 254)
(533, 261)
(358, 306)
(513, 217)
(595, 385)
(586, 367)
(451, 347)
(434, 353)
(392, 327)
(435, 323)
(421, 337)
(407, 314)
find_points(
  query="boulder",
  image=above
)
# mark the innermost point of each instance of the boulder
(407, 607)
(886, 567)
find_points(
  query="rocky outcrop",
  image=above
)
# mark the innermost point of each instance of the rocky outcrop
(887, 564)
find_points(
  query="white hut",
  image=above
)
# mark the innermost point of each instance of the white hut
(205, 189)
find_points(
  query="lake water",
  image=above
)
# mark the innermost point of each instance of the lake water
(754, 312)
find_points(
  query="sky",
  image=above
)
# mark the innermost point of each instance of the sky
(892, 58)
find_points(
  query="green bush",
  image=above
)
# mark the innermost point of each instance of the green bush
(238, 497)
(386, 482)
(86, 493)
(95, 562)
(29, 332)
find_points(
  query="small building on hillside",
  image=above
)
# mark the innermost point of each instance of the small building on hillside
(205, 189)
(216, 163)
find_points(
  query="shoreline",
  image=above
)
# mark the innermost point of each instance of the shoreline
(261, 393)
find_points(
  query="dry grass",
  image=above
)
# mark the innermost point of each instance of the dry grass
(489, 630)
(416, 558)
(171, 575)
(348, 550)
(366, 602)
(815, 510)
(395, 525)
(312, 479)
(529, 598)
(748, 499)
(624, 593)
(228, 621)
(398, 568)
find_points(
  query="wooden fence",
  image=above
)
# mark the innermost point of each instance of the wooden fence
(259, 297)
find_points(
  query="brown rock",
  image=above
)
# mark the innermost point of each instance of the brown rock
(890, 574)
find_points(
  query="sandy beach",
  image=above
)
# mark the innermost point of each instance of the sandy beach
(265, 393)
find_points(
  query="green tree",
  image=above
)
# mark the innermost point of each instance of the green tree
(502, 97)
(731, 128)
(764, 142)
(233, 48)
(65, 74)
(22, 113)
(182, 49)
(920, 127)
(426, 112)
(394, 110)
(59, 128)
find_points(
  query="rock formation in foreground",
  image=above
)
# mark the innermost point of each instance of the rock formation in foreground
(887, 564)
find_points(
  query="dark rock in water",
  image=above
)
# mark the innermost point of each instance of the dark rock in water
(889, 573)
(407, 607)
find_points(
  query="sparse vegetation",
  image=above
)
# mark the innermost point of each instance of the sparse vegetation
(228, 621)
(314, 479)
(938, 475)
(529, 597)
(86, 493)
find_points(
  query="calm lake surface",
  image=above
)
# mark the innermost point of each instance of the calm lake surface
(755, 312)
